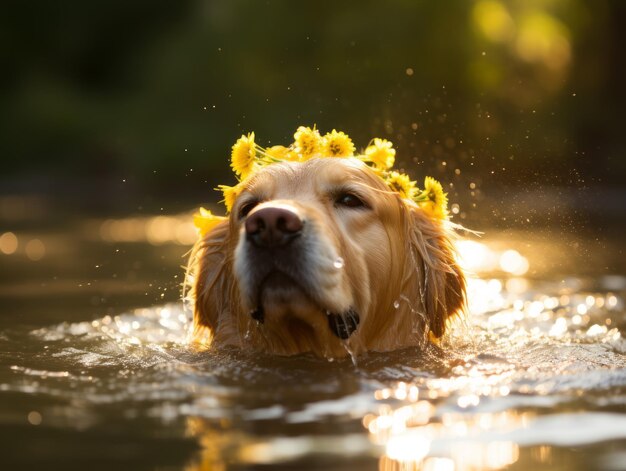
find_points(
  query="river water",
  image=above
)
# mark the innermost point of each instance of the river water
(95, 371)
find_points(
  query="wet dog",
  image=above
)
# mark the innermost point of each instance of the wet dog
(320, 256)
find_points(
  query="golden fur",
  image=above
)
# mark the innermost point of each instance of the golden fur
(387, 261)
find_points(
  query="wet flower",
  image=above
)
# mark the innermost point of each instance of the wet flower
(307, 142)
(337, 144)
(230, 195)
(381, 153)
(282, 153)
(243, 156)
(433, 200)
(402, 184)
(204, 221)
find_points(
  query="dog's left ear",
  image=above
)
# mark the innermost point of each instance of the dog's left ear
(440, 280)
(210, 283)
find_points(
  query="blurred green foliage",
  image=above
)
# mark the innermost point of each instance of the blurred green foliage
(500, 92)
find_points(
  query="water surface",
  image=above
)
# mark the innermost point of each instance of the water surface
(533, 378)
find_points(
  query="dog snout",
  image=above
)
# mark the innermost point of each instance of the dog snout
(273, 227)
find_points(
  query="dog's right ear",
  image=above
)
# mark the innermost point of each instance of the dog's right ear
(210, 282)
(440, 280)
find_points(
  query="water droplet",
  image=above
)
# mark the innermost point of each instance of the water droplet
(338, 263)
(348, 349)
(396, 304)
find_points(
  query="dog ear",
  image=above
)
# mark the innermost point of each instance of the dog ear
(438, 280)
(210, 282)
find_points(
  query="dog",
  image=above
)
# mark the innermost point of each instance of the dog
(320, 256)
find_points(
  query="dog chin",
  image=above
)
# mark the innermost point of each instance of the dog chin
(280, 296)
(287, 311)
(285, 308)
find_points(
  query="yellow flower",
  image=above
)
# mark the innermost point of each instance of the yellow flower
(282, 153)
(308, 142)
(243, 156)
(230, 195)
(337, 144)
(433, 200)
(381, 153)
(401, 184)
(205, 221)
(247, 157)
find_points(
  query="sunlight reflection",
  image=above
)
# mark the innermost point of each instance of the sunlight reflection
(476, 257)
(438, 464)
(416, 437)
(148, 326)
(549, 316)
(485, 296)
(156, 230)
(512, 262)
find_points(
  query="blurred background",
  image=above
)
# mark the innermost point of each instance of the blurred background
(114, 113)
(523, 93)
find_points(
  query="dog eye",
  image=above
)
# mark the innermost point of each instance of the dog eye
(350, 200)
(246, 208)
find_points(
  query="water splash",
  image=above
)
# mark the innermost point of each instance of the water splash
(349, 349)
(523, 361)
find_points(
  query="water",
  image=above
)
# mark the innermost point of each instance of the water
(535, 378)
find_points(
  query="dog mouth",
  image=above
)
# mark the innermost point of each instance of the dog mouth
(277, 288)
(343, 325)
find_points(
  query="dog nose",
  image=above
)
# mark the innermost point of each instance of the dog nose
(273, 227)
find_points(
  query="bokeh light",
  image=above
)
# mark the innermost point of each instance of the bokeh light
(8, 243)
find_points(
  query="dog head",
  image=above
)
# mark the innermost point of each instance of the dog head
(321, 256)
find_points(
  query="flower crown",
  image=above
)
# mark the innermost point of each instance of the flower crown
(247, 157)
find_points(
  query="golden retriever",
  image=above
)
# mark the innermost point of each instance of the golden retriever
(320, 256)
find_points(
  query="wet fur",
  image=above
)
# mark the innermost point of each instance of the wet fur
(410, 293)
